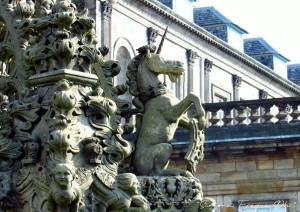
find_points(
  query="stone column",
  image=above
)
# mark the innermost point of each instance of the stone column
(106, 10)
(207, 69)
(94, 11)
(201, 86)
(151, 35)
(179, 87)
(236, 81)
(191, 56)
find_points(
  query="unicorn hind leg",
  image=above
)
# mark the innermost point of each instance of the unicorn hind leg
(152, 160)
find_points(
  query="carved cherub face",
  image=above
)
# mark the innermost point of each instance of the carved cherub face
(63, 175)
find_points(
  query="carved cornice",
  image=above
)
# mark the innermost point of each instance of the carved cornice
(222, 46)
(191, 56)
(237, 80)
(207, 66)
(106, 10)
(152, 35)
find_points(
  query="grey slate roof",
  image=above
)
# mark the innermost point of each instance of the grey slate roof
(258, 46)
(205, 16)
(294, 73)
(168, 3)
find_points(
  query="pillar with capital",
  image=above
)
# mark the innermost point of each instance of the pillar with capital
(207, 69)
(236, 81)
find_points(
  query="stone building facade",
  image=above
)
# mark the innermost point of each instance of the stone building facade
(255, 168)
(127, 25)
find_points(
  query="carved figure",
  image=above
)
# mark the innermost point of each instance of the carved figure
(63, 113)
(172, 193)
(205, 205)
(161, 111)
(65, 193)
(125, 195)
(208, 205)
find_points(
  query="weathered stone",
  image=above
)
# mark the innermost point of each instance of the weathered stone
(287, 173)
(263, 174)
(246, 166)
(265, 164)
(162, 113)
(61, 127)
(220, 167)
(259, 187)
(233, 176)
(283, 164)
(209, 177)
(291, 183)
(221, 187)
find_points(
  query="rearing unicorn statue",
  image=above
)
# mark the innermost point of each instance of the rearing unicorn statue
(162, 112)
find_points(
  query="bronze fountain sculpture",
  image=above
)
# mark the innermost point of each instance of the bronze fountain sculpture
(61, 138)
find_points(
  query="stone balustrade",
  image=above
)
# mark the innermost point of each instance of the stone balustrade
(251, 112)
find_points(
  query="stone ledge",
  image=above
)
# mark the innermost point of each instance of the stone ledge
(53, 77)
(249, 187)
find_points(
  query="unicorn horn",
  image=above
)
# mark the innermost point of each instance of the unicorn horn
(162, 41)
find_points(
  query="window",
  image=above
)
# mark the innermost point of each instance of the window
(218, 99)
(220, 95)
(263, 208)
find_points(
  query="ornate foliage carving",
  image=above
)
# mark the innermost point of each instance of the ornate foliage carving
(106, 9)
(237, 81)
(171, 193)
(191, 56)
(61, 132)
(207, 66)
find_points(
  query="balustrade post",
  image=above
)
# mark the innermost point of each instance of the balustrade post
(227, 116)
(283, 110)
(295, 114)
(214, 120)
(254, 116)
(240, 118)
(267, 113)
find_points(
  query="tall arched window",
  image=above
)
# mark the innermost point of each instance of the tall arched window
(123, 57)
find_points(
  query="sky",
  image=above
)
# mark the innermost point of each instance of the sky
(276, 21)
